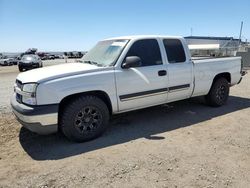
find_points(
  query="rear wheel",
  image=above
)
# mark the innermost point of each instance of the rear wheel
(84, 118)
(218, 93)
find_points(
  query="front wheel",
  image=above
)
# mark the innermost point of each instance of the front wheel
(20, 68)
(218, 93)
(84, 118)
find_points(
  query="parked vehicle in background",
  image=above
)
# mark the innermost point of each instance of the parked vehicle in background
(47, 56)
(15, 60)
(11, 61)
(5, 61)
(29, 62)
(31, 51)
(118, 75)
(74, 54)
(60, 56)
(44, 58)
(51, 57)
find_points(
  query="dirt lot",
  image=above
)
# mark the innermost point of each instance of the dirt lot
(184, 144)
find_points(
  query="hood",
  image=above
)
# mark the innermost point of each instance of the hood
(56, 71)
(28, 61)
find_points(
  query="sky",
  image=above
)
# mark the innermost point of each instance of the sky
(68, 25)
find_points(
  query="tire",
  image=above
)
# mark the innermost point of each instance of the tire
(20, 69)
(84, 118)
(218, 93)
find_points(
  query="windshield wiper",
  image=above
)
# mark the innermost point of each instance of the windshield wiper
(92, 63)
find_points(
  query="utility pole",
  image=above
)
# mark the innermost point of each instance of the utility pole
(241, 26)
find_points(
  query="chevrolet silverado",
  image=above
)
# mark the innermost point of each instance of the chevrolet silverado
(118, 75)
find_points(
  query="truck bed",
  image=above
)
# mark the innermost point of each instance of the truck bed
(206, 69)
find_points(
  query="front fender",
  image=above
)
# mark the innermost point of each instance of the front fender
(53, 91)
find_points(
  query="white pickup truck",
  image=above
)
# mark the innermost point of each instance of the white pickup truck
(118, 75)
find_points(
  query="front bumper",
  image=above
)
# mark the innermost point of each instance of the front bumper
(41, 119)
(28, 65)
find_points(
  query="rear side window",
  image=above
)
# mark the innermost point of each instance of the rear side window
(148, 50)
(175, 51)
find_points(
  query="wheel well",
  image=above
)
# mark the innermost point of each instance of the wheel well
(101, 94)
(225, 75)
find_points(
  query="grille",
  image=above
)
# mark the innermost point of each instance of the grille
(19, 84)
(18, 98)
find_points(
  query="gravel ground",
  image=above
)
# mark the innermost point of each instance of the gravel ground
(183, 144)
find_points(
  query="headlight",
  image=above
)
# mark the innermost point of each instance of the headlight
(29, 100)
(29, 94)
(30, 88)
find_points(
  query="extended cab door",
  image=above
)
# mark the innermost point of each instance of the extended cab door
(146, 85)
(180, 69)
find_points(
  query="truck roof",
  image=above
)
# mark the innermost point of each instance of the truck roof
(144, 37)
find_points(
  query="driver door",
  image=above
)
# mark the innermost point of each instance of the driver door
(143, 86)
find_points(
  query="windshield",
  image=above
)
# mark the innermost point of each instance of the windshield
(29, 57)
(105, 53)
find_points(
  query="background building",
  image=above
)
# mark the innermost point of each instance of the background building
(212, 46)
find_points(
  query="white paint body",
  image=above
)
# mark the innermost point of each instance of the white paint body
(60, 81)
(4, 61)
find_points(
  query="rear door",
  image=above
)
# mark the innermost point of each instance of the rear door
(180, 70)
(146, 85)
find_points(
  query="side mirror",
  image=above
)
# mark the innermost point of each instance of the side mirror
(132, 61)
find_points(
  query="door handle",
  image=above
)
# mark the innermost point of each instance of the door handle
(162, 73)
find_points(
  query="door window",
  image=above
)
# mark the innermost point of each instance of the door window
(148, 50)
(175, 51)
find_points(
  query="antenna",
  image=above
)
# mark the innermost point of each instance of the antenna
(191, 29)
